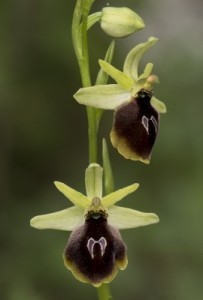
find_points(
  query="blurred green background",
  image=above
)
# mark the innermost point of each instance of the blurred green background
(43, 137)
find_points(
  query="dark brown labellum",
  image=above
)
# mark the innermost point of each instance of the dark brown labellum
(135, 127)
(95, 250)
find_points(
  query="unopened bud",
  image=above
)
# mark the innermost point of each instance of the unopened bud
(120, 22)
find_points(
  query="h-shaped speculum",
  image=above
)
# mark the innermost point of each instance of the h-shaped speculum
(91, 244)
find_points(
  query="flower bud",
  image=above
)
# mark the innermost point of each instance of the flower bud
(120, 22)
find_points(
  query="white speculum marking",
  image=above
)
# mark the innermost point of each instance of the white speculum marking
(154, 121)
(145, 123)
(91, 243)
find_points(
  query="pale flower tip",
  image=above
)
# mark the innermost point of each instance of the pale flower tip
(153, 218)
(38, 222)
(57, 183)
(136, 186)
(100, 61)
(145, 161)
(153, 38)
(94, 165)
(34, 222)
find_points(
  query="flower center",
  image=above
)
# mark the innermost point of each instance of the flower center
(96, 210)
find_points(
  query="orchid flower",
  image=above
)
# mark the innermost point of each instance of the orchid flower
(136, 117)
(95, 249)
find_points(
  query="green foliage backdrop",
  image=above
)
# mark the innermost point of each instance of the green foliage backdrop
(43, 137)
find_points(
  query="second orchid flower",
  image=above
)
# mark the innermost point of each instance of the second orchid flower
(136, 118)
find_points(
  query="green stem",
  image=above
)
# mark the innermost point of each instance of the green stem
(80, 43)
(104, 292)
(92, 133)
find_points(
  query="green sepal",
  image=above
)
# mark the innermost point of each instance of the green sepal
(74, 196)
(93, 181)
(67, 219)
(121, 78)
(158, 105)
(131, 63)
(125, 218)
(93, 18)
(118, 195)
(102, 76)
(107, 96)
(147, 71)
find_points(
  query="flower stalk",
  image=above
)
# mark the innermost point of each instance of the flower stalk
(104, 292)
(80, 44)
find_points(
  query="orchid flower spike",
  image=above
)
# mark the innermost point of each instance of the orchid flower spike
(136, 117)
(95, 249)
